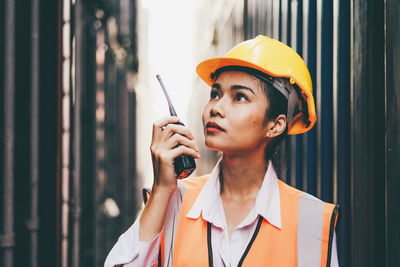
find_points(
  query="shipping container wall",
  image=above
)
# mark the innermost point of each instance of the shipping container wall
(342, 159)
(318, 161)
(67, 134)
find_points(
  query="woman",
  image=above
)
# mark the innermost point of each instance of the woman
(240, 214)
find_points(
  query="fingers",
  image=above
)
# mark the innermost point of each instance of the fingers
(160, 124)
(167, 149)
(171, 129)
(168, 135)
(165, 128)
(178, 139)
(180, 150)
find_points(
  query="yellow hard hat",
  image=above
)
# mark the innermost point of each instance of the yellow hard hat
(275, 59)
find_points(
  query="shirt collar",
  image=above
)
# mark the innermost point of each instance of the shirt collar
(267, 202)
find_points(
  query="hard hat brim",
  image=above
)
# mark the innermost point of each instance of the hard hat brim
(206, 68)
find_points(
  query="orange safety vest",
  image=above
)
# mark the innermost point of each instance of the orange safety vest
(304, 240)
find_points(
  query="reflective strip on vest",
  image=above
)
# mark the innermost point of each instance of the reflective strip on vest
(314, 236)
(309, 232)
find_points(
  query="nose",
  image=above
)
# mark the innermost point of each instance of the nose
(218, 109)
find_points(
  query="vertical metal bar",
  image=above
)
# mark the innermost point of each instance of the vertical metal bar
(293, 24)
(254, 15)
(343, 134)
(303, 10)
(33, 222)
(262, 17)
(368, 134)
(293, 31)
(284, 19)
(7, 238)
(310, 11)
(250, 18)
(245, 19)
(269, 21)
(318, 96)
(335, 66)
(275, 19)
(326, 99)
(351, 109)
(392, 66)
(289, 22)
(306, 17)
(67, 77)
(290, 140)
(59, 177)
(256, 20)
(298, 140)
(100, 143)
(280, 20)
(76, 179)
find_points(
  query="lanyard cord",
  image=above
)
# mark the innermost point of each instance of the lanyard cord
(210, 254)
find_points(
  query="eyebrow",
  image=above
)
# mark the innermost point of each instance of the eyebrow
(233, 87)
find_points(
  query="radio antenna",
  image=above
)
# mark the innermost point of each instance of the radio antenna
(171, 107)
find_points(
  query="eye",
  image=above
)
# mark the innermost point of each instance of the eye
(240, 97)
(214, 94)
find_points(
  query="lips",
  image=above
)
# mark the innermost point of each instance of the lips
(214, 127)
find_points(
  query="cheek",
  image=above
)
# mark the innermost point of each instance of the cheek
(258, 122)
(250, 124)
(205, 112)
(253, 120)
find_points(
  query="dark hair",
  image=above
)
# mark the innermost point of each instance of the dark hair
(277, 105)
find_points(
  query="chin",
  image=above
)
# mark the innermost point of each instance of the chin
(219, 146)
(232, 146)
(212, 145)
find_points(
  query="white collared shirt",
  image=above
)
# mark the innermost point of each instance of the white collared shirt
(227, 251)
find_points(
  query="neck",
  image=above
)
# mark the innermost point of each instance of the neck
(242, 174)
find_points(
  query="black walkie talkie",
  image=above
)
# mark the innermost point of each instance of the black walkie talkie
(184, 164)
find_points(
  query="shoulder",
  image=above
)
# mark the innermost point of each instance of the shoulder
(292, 192)
(308, 205)
(193, 183)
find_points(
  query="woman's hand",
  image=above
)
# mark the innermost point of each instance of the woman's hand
(168, 142)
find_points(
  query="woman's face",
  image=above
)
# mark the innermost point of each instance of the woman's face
(233, 118)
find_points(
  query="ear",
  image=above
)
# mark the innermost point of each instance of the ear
(276, 127)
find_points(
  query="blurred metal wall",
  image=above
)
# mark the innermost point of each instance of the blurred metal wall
(98, 145)
(347, 158)
(67, 130)
(319, 161)
(28, 132)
